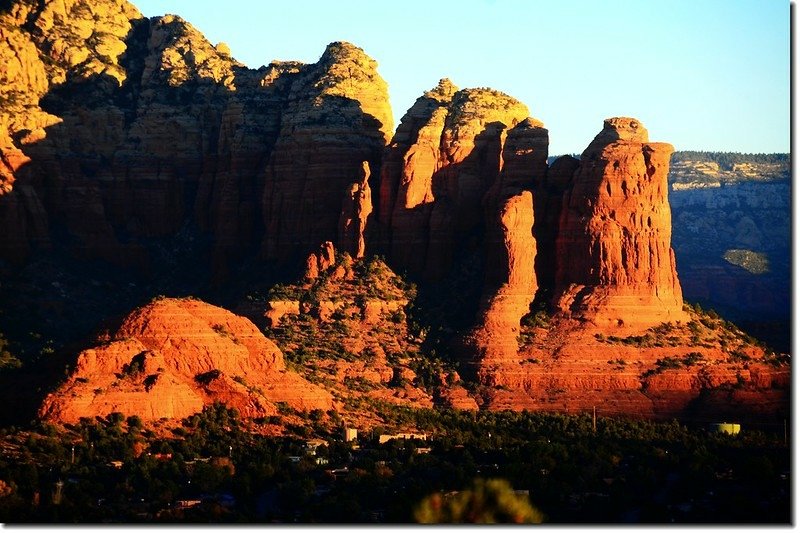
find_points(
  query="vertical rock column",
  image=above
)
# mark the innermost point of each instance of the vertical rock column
(510, 283)
(615, 267)
(356, 209)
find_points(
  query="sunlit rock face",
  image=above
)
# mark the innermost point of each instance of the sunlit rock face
(443, 159)
(615, 267)
(117, 130)
(172, 357)
(511, 249)
(337, 117)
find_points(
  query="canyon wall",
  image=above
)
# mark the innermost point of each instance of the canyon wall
(116, 130)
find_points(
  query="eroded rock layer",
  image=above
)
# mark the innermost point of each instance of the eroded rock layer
(510, 282)
(615, 267)
(170, 358)
(702, 371)
(116, 130)
(440, 164)
(337, 117)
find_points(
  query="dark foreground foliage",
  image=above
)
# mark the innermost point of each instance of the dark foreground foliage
(213, 469)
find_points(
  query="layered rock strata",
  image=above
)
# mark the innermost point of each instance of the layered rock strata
(510, 282)
(171, 358)
(337, 117)
(116, 130)
(662, 374)
(443, 159)
(615, 267)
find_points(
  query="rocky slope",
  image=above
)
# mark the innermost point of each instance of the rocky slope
(171, 358)
(702, 370)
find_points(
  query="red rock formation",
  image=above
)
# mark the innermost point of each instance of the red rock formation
(170, 358)
(548, 204)
(503, 307)
(444, 158)
(510, 282)
(356, 209)
(409, 163)
(321, 261)
(524, 158)
(337, 117)
(157, 129)
(615, 265)
(567, 369)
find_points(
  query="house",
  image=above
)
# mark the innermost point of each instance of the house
(401, 436)
(349, 434)
(312, 445)
(186, 504)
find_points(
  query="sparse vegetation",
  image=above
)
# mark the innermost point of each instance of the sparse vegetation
(207, 377)
(7, 359)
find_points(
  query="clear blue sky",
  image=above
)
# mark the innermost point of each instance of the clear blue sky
(700, 74)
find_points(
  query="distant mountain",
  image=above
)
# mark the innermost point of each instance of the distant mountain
(691, 169)
(731, 232)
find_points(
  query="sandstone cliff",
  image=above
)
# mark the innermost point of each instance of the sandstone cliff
(118, 130)
(337, 117)
(510, 282)
(615, 267)
(122, 138)
(170, 358)
(442, 161)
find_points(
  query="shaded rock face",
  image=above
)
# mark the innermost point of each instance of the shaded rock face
(118, 130)
(443, 159)
(356, 209)
(170, 358)
(709, 223)
(337, 118)
(41, 45)
(615, 267)
(548, 204)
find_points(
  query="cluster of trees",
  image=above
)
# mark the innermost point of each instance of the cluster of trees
(562, 469)
(726, 160)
